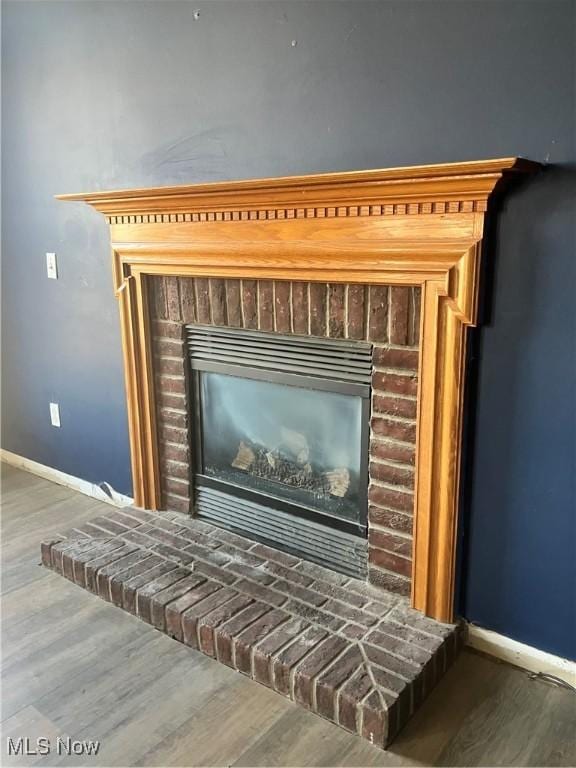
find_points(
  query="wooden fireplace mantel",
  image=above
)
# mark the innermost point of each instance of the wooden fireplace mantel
(419, 226)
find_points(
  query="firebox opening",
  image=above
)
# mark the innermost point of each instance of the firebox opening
(280, 440)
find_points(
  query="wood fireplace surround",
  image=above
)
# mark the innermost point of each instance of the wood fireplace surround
(416, 231)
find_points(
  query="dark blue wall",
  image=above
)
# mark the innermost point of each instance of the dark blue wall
(116, 94)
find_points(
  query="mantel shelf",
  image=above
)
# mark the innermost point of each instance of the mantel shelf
(467, 181)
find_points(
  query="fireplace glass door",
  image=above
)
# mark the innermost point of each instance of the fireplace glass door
(298, 445)
(281, 438)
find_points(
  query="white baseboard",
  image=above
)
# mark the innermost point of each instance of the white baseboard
(521, 655)
(110, 496)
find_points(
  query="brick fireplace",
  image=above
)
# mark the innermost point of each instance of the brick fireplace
(386, 317)
(376, 272)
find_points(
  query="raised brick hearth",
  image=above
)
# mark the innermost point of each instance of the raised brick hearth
(352, 653)
(386, 316)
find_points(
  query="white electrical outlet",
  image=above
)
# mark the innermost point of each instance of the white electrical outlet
(51, 266)
(55, 414)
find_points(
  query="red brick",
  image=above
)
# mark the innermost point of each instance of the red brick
(233, 308)
(202, 290)
(392, 357)
(410, 635)
(103, 586)
(168, 348)
(171, 384)
(300, 593)
(175, 452)
(176, 486)
(169, 366)
(351, 694)
(349, 613)
(158, 298)
(110, 526)
(286, 660)
(93, 566)
(390, 542)
(187, 300)
(393, 474)
(202, 608)
(353, 631)
(250, 303)
(268, 553)
(176, 435)
(174, 611)
(131, 586)
(171, 400)
(314, 614)
(337, 310)
(300, 308)
(248, 638)
(391, 451)
(340, 593)
(177, 503)
(282, 307)
(287, 573)
(241, 542)
(399, 647)
(394, 429)
(318, 297)
(376, 719)
(392, 582)
(81, 558)
(321, 573)
(356, 311)
(304, 674)
(172, 553)
(387, 405)
(46, 553)
(176, 469)
(164, 537)
(167, 329)
(85, 549)
(266, 648)
(207, 624)
(138, 537)
(391, 498)
(218, 301)
(174, 418)
(215, 572)
(390, 562)
(395, 383)
(265, 305)
(173, 592)
(328, 682)
(261, 592)
(117, 581)
(233, 627)
(399, 298)
(146, 592)
(172, 298)
(378, 315)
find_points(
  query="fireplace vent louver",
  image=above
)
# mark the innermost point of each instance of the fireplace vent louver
(347, 364)
(326, 546)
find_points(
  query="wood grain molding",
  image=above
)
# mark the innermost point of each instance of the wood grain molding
(419, 226)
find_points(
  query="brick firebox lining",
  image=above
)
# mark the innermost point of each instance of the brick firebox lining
(346, 650)
(386, 316)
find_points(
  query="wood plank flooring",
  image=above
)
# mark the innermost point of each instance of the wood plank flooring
(73, 665)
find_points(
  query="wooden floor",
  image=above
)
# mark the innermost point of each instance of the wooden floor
(76, 666)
